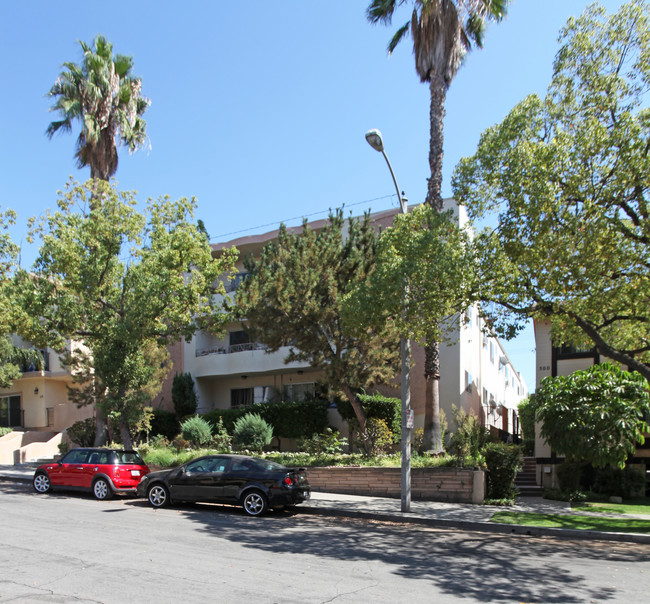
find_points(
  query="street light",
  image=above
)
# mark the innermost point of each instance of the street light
(376, 141)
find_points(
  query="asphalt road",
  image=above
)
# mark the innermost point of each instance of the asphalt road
(71, 548)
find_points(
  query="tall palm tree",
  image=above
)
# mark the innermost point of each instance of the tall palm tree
(443, 31)
(105, 98)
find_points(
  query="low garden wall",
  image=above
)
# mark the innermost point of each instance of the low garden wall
(433, 484)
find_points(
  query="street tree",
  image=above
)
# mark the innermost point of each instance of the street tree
(597, 415)
(426, 254)
(13, 358)
(106, 99)
(568, 176)
(443, 31)
(294, 296)
(122, 285)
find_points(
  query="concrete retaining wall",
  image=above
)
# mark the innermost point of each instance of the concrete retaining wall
(433, 484)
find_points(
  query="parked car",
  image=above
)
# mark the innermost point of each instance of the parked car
(102, 472)
(255, 484)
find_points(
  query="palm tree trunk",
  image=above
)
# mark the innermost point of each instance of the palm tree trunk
(432, 441)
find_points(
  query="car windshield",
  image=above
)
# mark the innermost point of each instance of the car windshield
(129, 457)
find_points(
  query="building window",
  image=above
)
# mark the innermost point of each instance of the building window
(241, 397)
(485, 396)
(492, 352)
(468, 317)
(298, 392)
(468, 381)
(10, 413)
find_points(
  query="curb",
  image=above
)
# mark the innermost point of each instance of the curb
(483, 527)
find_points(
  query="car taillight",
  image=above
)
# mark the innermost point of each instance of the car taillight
(288, 481)
(117, 473)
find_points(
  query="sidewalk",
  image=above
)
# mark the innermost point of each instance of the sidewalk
(461, 516)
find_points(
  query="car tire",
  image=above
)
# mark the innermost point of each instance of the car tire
(158, 495)
(254, 503)
(42, 483)
(102, 489)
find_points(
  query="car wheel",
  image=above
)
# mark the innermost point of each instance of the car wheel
(101, 489)
(254, 503)
(158, 496)
(42, 483)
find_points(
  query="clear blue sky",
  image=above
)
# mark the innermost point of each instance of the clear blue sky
(259, 109)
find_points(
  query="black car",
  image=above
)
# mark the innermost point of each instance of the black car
(255, 484)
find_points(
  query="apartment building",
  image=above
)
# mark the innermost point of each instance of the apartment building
(476, 373)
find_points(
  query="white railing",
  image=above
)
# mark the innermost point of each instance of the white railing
(200, 352)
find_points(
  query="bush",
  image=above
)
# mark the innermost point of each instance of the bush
(503, 462)
(470, 437)
(526, 409)
(574, 476)
(628, 482)
(296, 419)
(82, 433)
(252, 432)
(562, 495)
(164, 423)
(376, 406)
(221, 440)
(376, 439)
(196, 431)
(327, 443)
(184, 395)
(4, 431)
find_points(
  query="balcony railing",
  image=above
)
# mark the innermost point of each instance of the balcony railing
(200, 352)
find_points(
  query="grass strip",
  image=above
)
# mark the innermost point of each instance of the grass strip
(577, 522)
(614, 508)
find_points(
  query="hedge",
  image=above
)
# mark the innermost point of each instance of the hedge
(380, 407)
(296, 419)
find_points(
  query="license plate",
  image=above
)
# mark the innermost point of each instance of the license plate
(135, 472)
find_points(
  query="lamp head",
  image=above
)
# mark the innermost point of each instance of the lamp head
(375, 139)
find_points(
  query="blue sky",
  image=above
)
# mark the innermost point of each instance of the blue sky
(259, 109)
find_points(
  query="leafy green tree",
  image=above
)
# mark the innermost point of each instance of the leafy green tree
(184, 395)
(597, 415)
(294, 296)
(105, 98)
(123, 285)
(443, 31)
(568, 177)
(526, 410)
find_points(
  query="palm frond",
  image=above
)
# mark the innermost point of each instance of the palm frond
(381, 11)
(397, 38)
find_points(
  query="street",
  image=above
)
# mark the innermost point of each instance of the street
(70, 548)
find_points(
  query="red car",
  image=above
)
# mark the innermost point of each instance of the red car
(102, 472)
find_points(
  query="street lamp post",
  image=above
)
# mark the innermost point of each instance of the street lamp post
(376, 141)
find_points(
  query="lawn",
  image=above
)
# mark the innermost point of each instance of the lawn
(631, 506)
(572, 521)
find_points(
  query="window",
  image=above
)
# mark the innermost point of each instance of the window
(492, 352)
(10, 412)
(298, 392)
(468, 381)
(241, 397)
(468, 317)
(485, 396)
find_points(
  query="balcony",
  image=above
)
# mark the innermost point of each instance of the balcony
(201, 352)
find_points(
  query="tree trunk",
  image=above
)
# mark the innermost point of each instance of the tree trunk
(357, 408)
(432, 441)
(125, 434)
(100, 427)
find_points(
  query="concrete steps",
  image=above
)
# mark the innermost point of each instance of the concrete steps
(526, 479)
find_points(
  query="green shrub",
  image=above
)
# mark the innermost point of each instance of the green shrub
(328, 442)
(572, 475)
(184, 395)
(376, 439)
(164, 423)
(526, 409)
(82, 433)
(196, 431)
(4, 431)
(376, 406)
(628, 482)
(221, 441)
(470, 437)
(503, 462)
(576, 496)
(252, 432)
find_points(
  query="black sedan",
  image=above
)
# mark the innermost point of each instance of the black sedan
(255, 484)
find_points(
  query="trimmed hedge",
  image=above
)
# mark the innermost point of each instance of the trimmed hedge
(503, 462)
(296, 419)
(164, 423)
(377, 406)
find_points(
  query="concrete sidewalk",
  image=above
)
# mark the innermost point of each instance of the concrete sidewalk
(460, 516)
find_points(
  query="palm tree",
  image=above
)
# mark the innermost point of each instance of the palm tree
(443, 31)
(105, 98)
